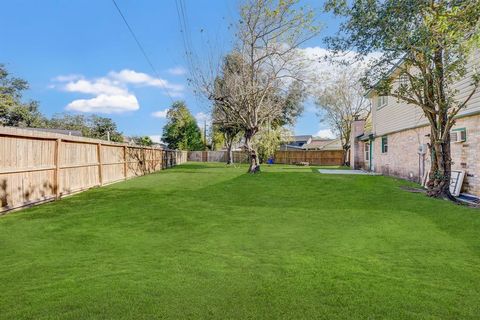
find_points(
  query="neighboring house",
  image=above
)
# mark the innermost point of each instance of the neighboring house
(76, 133)
(296, 143)
(396, 142)
(311, 143)
(160, 145)
(323, 144)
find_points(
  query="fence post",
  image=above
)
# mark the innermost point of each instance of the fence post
(56, 180)
(99, 158)
(125, 162)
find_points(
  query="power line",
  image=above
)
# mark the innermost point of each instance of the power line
(140, 47)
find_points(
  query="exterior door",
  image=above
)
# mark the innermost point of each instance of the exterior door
(367, 155)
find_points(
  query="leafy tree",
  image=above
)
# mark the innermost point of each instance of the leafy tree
(292, 105)
(429, 43)
(224, 123)
(181, 131)
(217, 138)
(66, 121)
(143, 141)
(102, 128)
(225, 119)
(92, 126)
(268, 140)
(14, 112)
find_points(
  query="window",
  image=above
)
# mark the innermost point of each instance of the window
(458, 135)
(367, 151)
(384, 144)
(381, 101)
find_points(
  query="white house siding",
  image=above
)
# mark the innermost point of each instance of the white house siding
(397, 116)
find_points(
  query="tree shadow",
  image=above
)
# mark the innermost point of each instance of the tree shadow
(26, 196)
(142, 161)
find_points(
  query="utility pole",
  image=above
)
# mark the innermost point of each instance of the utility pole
(205, 133)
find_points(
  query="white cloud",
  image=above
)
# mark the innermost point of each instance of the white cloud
(68, 77)
(160, 114)
(140, 78)
(177, 71)
(105, 104)
(96, 87)
(112, 93)
(326, 134)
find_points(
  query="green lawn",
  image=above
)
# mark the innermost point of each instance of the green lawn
(204, 241)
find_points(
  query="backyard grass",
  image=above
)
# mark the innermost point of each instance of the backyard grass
(206, 241)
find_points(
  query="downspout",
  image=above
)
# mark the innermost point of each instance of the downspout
(370, 165)
(421, 163)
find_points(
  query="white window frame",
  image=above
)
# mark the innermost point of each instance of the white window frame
(382, 101)
(460, 135)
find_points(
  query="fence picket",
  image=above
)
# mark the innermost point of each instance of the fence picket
(40, 166)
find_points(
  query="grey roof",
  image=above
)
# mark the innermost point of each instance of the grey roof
(289, 146)
(76, 133)
(301, 138)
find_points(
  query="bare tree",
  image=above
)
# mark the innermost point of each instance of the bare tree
(341, 100)
(254, 88)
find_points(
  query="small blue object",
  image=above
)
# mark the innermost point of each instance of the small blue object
(270, 161)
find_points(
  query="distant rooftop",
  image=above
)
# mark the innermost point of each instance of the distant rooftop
(301, 138)
(76, 133)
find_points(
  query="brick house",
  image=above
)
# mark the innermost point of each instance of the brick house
(396, 141)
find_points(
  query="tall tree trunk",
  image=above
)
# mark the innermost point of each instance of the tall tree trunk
(229, 151)
(346, 157)
(252, 153)
(441, 169)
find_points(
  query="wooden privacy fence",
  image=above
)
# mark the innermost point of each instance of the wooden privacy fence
(313, 157)
(217, 156)
(41, 166)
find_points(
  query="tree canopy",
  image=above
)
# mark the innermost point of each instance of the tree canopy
(181, 130)
(92, 126)
(13, 111)
(143, 141)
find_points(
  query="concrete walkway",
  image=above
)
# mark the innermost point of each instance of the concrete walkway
(357, 172)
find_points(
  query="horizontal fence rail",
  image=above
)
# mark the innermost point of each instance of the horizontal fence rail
(313, 157)
(40, 166)
(217, 156)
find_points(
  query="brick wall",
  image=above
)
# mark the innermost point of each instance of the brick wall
(356, 147)
(402, 159)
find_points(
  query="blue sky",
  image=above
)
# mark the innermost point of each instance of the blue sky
(79, 56)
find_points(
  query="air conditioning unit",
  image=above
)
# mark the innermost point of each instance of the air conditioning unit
(458, 135)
